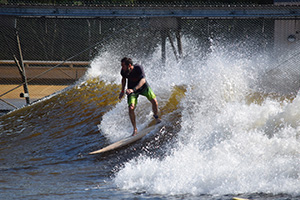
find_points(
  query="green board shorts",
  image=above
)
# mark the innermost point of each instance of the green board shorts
(147, 92)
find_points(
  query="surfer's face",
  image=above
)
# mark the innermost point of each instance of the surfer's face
(124, 66)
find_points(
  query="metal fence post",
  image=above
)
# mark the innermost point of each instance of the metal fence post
(22, 70)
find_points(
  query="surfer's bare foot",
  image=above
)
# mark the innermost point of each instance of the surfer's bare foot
(134, 132)
(158, 120)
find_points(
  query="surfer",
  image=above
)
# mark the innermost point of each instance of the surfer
(137, 85)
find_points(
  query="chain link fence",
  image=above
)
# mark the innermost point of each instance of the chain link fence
(56, 51)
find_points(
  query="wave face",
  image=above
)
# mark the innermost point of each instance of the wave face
(238, 132)
(226, 129)
(234, 136)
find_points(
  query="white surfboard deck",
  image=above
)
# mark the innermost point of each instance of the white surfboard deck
(125, 141)
(237, 198)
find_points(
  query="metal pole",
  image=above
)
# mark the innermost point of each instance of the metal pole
(179, 45)
(172, 44)
(22, 69)
(89, 36)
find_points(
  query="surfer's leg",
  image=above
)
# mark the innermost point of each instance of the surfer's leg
(132, 118)
(155, 110)
(132, 101)
(152, 98)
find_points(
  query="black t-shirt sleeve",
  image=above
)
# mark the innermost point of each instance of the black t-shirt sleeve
(140, 72)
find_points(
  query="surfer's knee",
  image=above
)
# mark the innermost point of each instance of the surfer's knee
(154, 102)
(131, 107)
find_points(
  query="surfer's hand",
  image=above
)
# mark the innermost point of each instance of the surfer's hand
(121, 95)
(129, 91)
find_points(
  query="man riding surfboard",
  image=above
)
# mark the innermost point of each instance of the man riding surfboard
(137, 85)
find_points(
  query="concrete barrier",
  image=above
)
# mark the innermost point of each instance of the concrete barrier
(43, 72)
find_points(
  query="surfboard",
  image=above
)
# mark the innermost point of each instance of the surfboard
(124, 141)
(237, 198)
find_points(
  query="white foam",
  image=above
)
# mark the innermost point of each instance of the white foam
(106, 67)
(225, 146)
(116, 125)
(226, 154)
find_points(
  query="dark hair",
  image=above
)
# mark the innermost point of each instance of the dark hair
(126, 61)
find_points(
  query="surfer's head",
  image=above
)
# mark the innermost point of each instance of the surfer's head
(125, 63)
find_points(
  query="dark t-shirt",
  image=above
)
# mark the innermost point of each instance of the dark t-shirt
(134, 76)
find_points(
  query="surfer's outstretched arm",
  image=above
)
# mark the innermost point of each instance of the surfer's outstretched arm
(123, 88)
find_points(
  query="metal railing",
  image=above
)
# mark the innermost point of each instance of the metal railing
(132, 2)
(41, 63)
